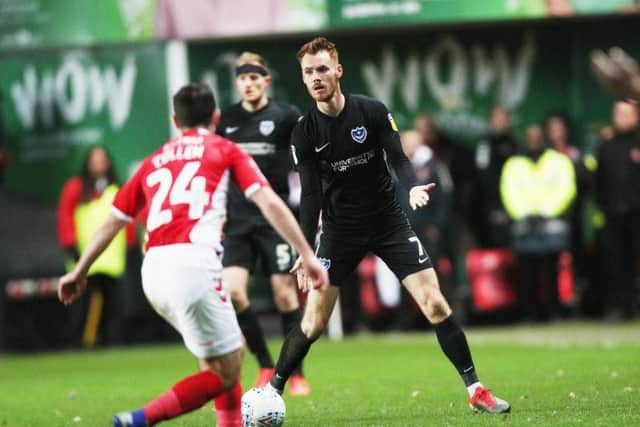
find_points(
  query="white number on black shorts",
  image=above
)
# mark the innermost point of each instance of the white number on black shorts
(187, 189)
(422, 255)
(283, 255)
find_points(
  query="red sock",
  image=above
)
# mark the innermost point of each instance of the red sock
(187, 395)
(228, 406)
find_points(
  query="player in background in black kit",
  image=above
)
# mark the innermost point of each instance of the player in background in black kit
(262, 127)
(342, 148)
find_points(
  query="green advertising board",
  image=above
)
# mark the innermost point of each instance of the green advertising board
(59, 103)
(45, 23)
(349, 13)
(456, 76)
(64, 23)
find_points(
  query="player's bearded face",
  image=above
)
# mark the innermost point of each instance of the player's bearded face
(252, 86)
(321, 75)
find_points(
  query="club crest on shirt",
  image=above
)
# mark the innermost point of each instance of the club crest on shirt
(325, 263)
(359, 134)
(267, 127)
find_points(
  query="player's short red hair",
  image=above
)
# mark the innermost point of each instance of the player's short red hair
(317, 45)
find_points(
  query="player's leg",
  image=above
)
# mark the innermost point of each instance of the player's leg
(239, 258)
(217, 379)
(237, 279)
(285, 296)
(278, 258)
(228, 404)
(403, 252)
(340, 254)
(183, 284)
(424, 288)
(298, 341)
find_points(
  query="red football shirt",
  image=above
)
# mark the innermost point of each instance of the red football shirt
(181, 189)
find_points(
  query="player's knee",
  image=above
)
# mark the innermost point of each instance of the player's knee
(313, 328)
(230, 379)
(239, 299)
(285, 300)
(227, 368)
(437, 307)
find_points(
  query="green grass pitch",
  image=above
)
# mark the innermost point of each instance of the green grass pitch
(567, 374)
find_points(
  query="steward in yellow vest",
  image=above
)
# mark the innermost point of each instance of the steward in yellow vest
(84, 205)
(537, 190)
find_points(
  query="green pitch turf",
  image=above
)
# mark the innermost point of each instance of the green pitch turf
(571, 374)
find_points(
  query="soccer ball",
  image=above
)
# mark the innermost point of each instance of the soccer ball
(262, 407)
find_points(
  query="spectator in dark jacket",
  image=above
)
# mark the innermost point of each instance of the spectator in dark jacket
(618, 194)
(492, 226)
(429, 224)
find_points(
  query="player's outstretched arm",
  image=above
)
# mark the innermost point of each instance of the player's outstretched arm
(419, 195)
(281, 218)
(72, 284)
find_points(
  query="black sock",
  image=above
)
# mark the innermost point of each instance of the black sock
(252, 332)
(295, 347)
(290, 320)
(454, 345)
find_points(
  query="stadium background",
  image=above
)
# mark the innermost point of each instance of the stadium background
(102, 73)
(74, 74)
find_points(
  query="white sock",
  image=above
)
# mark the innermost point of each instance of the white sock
(472, 388)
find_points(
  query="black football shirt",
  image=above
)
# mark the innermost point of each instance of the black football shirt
(265, 135)
(343, 164)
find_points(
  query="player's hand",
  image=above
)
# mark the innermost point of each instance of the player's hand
(310, 274)
(419, 195)
(300, 276)
(316, 274)
(71, 286)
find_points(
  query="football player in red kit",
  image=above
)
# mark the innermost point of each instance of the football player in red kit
(181, 190)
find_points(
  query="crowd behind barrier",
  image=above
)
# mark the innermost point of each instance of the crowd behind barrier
(523, 226)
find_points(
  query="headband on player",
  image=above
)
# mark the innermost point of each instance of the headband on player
(251, 68)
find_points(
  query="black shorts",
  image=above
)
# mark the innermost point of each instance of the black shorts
(258, 244)
(391, 238)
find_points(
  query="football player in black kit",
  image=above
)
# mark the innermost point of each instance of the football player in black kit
(342, 148)
(262, 127)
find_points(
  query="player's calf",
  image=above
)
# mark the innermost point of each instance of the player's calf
(228, 407)
(295, 347)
